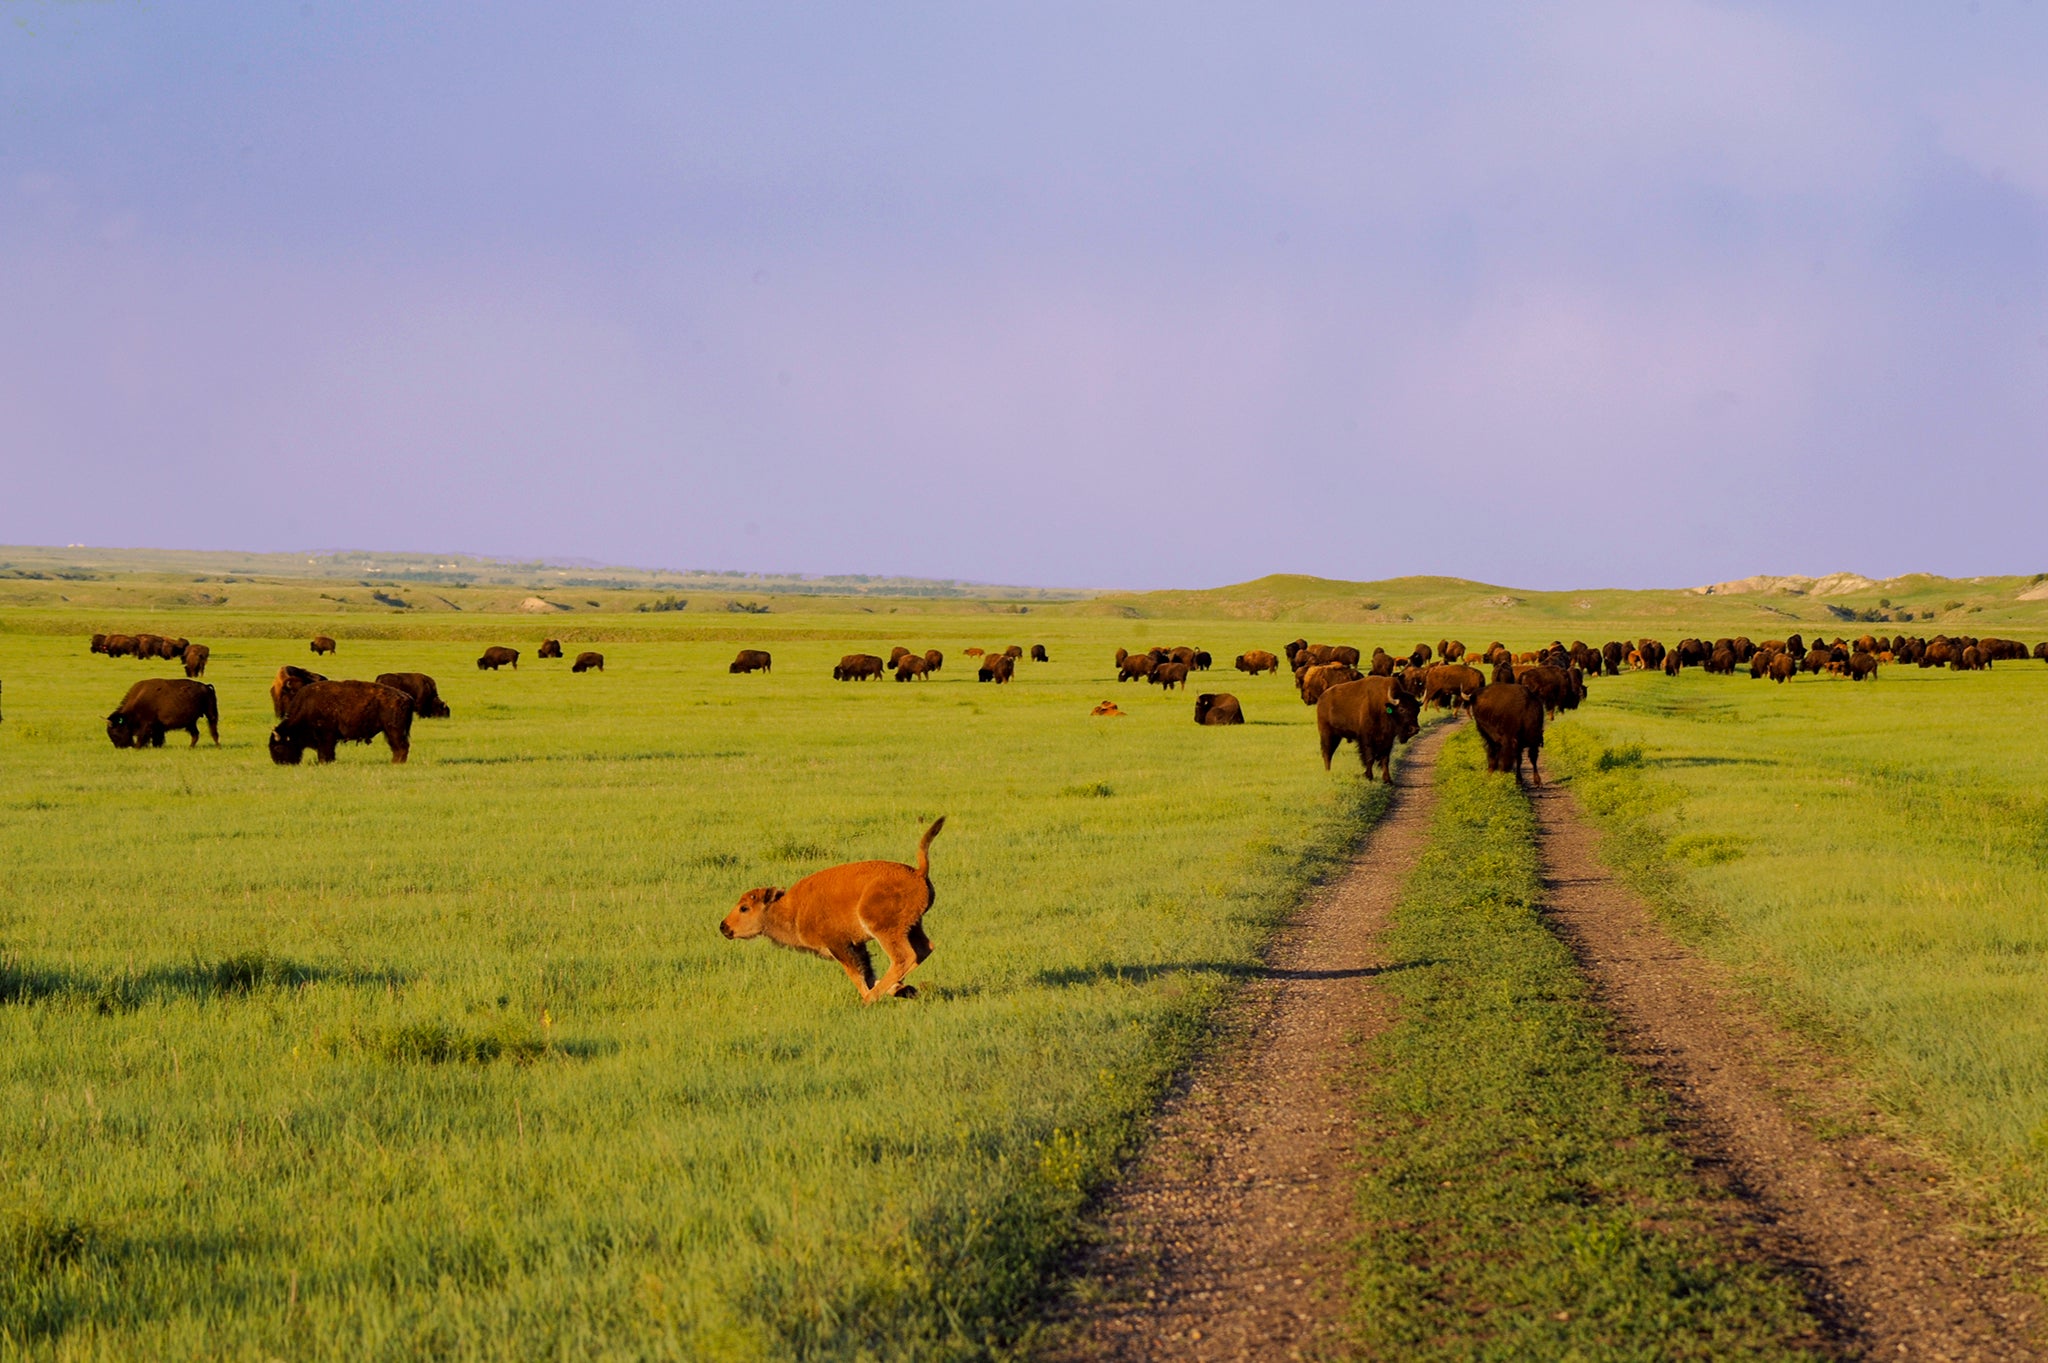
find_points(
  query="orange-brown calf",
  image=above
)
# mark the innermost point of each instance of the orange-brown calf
(836, 912)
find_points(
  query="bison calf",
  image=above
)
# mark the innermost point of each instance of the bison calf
(836, 912)
(331, 712)
(153, 708)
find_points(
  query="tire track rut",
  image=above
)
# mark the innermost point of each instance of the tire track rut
(1228, 1237)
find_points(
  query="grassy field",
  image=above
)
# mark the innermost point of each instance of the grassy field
(448, 1059)
(1873, 860)
(1520, 1196)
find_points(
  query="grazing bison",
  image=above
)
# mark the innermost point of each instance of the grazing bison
(1373, 713)
(426, 697)
(120, 646)
(751, 660)
(1510, 720)
(858, 667)
(933, 660)
(1038, 654)
(910, 665)
(322, 644)
(331, 712)
(289, 680)
(1218, 707)
(896, 655)
(1316, 681)
(148, 646)
(172, 650)
(99, 644)
(835, 912)
(1861, 666)
(1166, 676)
(497, 656)
(195, 659)
(1451, 684)
(1257, 661)
(1135, 665)
(2041, 651)
(1382, 664)
(588, 662)
(1783, 666)
(549, 648)
(997, 668)
(154, 707)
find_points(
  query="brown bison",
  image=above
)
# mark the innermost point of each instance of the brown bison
(897, 654)
(834, 913)
(1039, 655)
(549, 648)
(1783, 666)
(1451, 685)
(933, 660)
(149, 645)
(1135, 665)
(751, 660)
(1861, 666)
(331, 712)
(1510, 720)
(1166, 676)
(172, 650)
(588, 662)
(858, 667)
(1373, 713)
(99, 644)
(322, 644)
(120, 646)
(195, 659)
(289, 680)
(426, 696)
(1318, 680)
(910, 665)
(1557, 687)
(497, 656)
(997, 668)
(1014, 652)
(154, 707)
(1257, 661)
(1107, 710)
(1218, 707)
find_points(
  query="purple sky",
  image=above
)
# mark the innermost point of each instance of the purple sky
(1173, 295)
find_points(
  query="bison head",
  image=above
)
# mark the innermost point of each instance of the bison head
(121, 729)
(749, 918)
(285, 748)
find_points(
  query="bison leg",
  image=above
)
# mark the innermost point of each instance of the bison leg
(919, 943)
(903, 959)
(399, 752)
(193, 729)
(1535, 771)
(1331, 742)
(324, 750)
(853, 959)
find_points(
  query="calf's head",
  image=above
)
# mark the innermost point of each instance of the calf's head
(749, 917)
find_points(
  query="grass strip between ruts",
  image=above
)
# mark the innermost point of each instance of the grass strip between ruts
(1519, 1193)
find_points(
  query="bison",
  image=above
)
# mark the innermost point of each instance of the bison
(1318, 680)
(1135, 665)
(1783, 667)
(549, 648)
(1558, 688)
(154, 707)
(588, 662)
(1218, 707)
(1451, 685)
(289, 680)
(426, 696)
(195, 659)
(331, 712)
(1510, 719)
(858, 667)
(933, 660)
(322, 644)
(1038, 654)
(1257, 661)
(99, 644)
(497, 656)
(897, 654)
(1373, 713)
(910, 665)
(119, 646)
(997, 668)
(1166, 676)
(751, 660)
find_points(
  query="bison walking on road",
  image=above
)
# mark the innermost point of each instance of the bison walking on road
(154, 707)
(1510, 719)
(1373, 713)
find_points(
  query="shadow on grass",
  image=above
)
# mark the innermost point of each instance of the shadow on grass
(1069, 976)
(124, 991)
(1711, 762)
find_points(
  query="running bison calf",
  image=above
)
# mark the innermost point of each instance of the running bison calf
(331, 712)
(426, 697)
(323, 644)
(838, 911)
(588, 662)
(496, 657)
(1510, 719)
(549, 648)
(1373, 713)
(1218, 708)
(153, 708)
(751, 660)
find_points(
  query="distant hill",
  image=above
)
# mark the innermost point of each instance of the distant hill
(1750, 604)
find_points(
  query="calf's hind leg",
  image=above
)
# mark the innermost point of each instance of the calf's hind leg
(903, 958)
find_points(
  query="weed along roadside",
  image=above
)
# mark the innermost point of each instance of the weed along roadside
(1520, 1195)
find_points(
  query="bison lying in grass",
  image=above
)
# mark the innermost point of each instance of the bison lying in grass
(331, 712)
(153, 708)
(1218, 707)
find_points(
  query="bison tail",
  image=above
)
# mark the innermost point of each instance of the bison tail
(212, 718)
(924, 844)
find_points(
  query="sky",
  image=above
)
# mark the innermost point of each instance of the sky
(1129, 295)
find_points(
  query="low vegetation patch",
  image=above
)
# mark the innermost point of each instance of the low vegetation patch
(1521, 1196)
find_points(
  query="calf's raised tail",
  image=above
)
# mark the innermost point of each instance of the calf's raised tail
(924, 861)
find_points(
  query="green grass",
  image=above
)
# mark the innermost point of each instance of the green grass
(448, 1059)
(1873, 861)
(1521, 1197)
